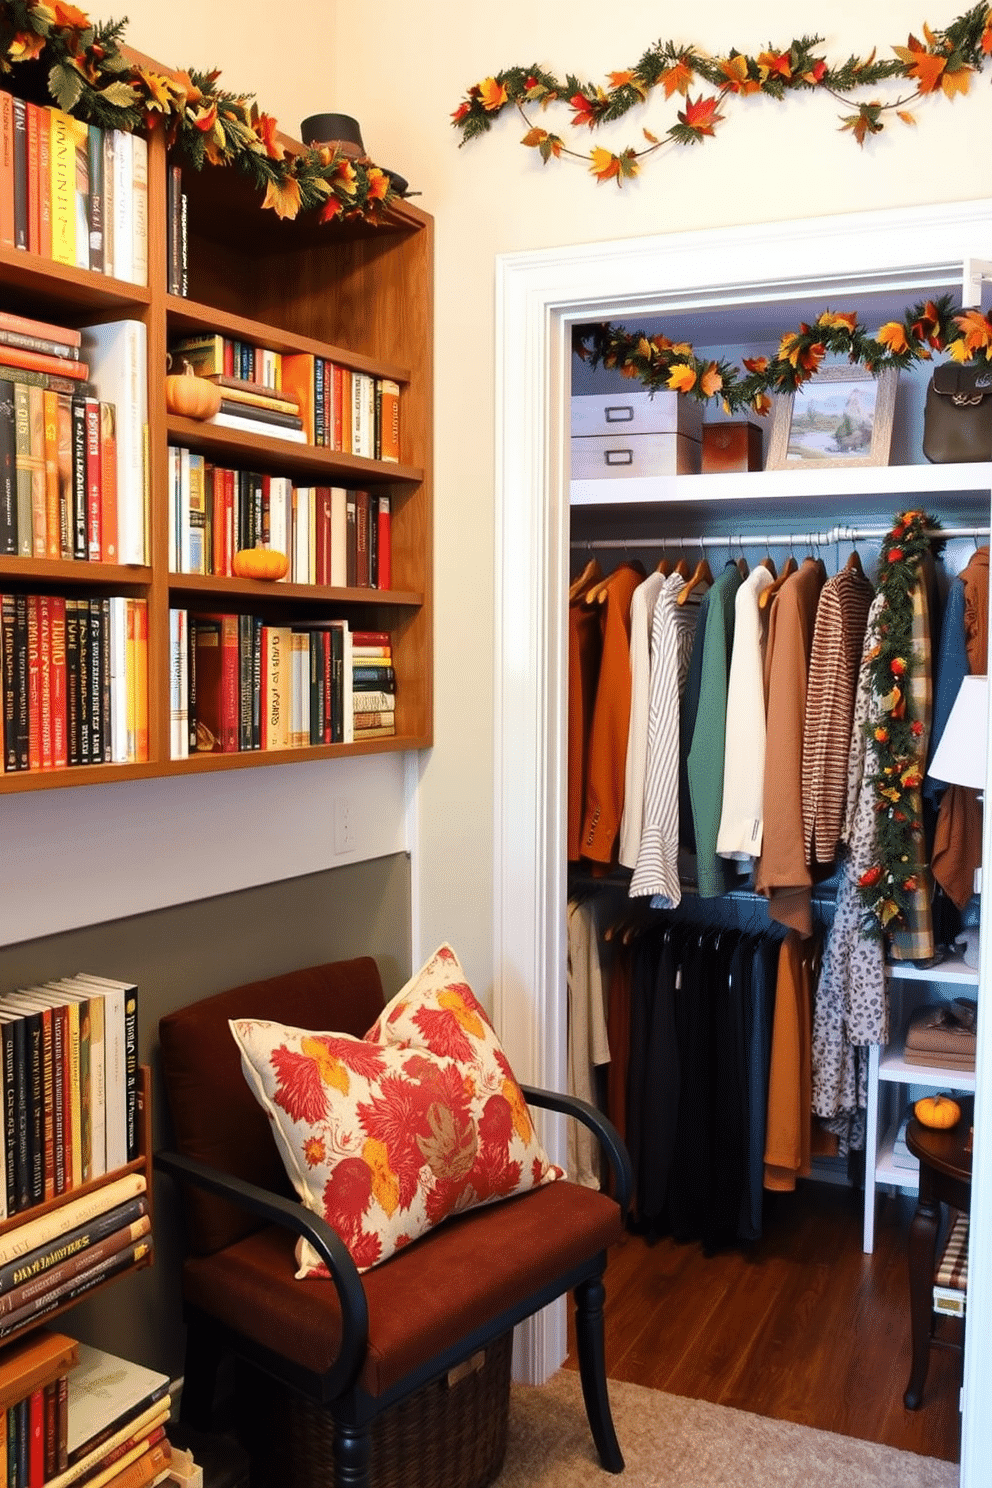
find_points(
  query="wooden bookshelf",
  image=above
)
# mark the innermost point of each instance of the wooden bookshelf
(355, 293)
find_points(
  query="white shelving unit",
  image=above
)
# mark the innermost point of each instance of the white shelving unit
(889, 1076)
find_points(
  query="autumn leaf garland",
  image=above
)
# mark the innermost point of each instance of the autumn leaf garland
(87, 75)
(658, 363)
(944, 62)
(896, 738)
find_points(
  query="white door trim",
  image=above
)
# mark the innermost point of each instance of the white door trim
(539, 296)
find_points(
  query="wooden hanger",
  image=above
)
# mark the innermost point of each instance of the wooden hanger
(664, 567)
(768, 562)
(682, 568)
(589, 575)
(742, 567)
(701, 575)
(599, 591)
(854, 563)
(789, 567)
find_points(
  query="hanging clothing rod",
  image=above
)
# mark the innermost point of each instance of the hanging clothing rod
(837, 534)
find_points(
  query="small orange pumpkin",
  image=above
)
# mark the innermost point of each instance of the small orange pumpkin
(938, 1111)
(259, 563)
(191, 396)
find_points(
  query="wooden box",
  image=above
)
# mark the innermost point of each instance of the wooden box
(731, 446)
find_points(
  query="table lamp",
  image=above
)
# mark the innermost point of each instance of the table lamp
(961, 759)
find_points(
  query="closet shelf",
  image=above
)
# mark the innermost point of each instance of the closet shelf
(912, 481)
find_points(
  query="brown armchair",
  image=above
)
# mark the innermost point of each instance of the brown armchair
(359, 1343)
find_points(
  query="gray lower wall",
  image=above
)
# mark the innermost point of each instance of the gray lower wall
(186, 952)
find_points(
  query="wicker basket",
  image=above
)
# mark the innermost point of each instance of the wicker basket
(450, 1434)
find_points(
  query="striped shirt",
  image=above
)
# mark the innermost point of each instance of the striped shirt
(672, 630)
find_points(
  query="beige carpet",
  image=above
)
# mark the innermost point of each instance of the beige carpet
(669, 1442)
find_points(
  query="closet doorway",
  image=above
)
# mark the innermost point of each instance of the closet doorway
(540, 297)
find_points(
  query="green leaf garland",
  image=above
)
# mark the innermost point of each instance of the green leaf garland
(896, 739)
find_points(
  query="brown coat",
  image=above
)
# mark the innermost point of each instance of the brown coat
(610, 722)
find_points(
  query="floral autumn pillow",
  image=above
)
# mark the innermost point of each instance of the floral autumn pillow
(385, 1140)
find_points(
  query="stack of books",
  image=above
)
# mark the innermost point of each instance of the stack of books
(239, 683)
(73, 192)
(54, 1259)
(117, 1413)
(34, 1397)
(333, 536)
(72, 470)
(373, 685)
(69, 1089)
(73, 681)
(339, 408)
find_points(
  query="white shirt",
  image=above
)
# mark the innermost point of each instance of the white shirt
(741, 817)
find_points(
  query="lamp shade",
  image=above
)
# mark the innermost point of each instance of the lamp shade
(960, 757)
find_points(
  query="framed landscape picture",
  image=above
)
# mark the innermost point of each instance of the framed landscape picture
(841, 417)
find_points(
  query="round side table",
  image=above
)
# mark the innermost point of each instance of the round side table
(945, 1178)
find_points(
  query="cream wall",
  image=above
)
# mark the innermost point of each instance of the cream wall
(402, 69)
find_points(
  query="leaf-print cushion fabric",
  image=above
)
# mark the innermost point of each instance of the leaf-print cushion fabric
(386, 1136)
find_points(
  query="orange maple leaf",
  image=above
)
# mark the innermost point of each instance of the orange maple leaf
(987, 35)
(927, 327)
(924, 67)
(761, 404)
(711, 382)
(605, 165)
(26, 46)
(492, 94)
(69, 15)
(816, 72)
(777, 63)
(266, 127)
(283, 197)
(701, 116)
(893, 335)
(958, 81)
(756, 364)
(534, 137)
(676, 79)
(838, 318)
(682, 378)
(977, 334)
(331, 209)
(735, 71)
(584, 112)
(378, 184)
(906, 116)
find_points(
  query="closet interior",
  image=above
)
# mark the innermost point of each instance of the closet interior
(694, 979)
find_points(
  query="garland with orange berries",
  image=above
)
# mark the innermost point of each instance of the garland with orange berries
(896, 737)
(943, 64)
(59, 53)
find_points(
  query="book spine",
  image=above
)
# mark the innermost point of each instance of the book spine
(174, 192)
(21, 707)
(10, 1114)
(81, 192)
(73, 753)
(108, 482)
(6, 170)
(93, 480)
(34, 682)
(51, 418)
(8, 470)
(131, 1070)
(66, 476)
(34, 195)
(96, 197)
(83, 663)
(59, 740)
(75, 1287)
(80, 473)
(45, 663)
(384, 577)
(20, 174)
(139, 183)
(22, 443)
(95, 681)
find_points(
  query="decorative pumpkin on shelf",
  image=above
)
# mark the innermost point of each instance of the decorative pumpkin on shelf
(191, 396)
(938, 1111)
(259, 563)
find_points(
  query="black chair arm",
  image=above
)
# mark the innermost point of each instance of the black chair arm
(601, 1127)
(291, 1215)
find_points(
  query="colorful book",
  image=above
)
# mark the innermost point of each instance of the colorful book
(117, 354)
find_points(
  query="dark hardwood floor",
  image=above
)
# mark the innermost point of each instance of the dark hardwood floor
(801, 1327)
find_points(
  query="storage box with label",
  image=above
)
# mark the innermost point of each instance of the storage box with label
(635, 434)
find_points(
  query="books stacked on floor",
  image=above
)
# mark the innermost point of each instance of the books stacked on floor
(332, 535)
(373, 685)
(73, 681)
(71, 466)
(73, 192)
(239, 683)
(56, 1258)
(69, 1091)
(339, 408)
(116, 1418)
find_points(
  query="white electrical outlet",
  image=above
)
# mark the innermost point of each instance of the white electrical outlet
(344, 825)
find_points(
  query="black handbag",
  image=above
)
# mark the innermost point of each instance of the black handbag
(957, 417)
